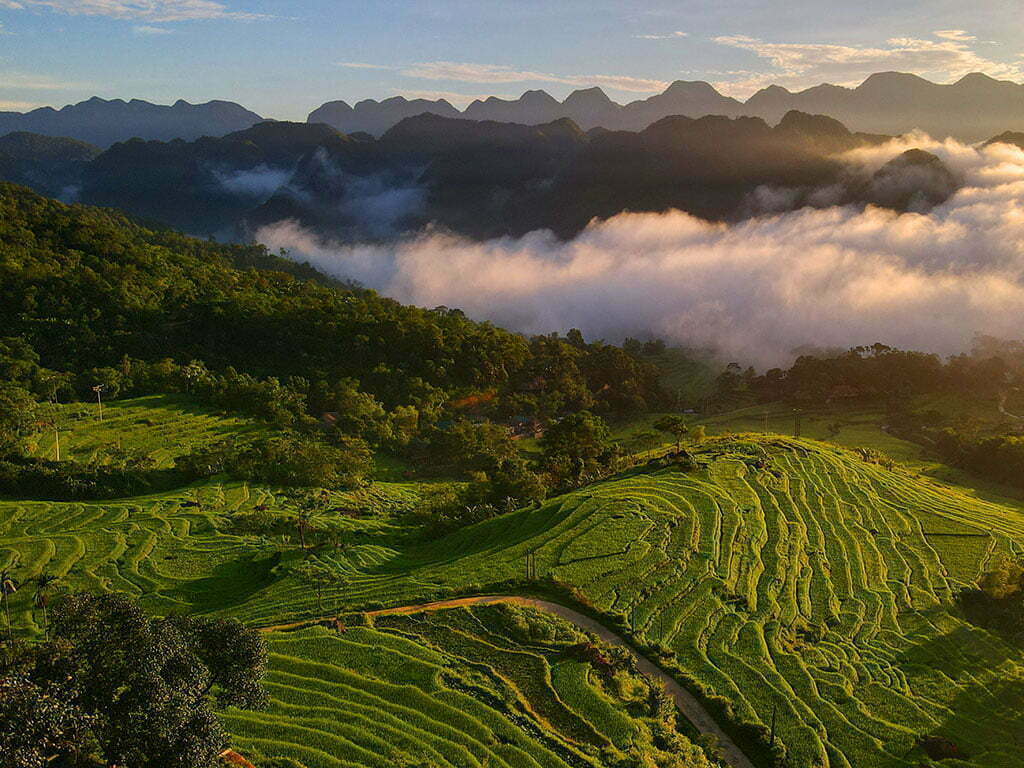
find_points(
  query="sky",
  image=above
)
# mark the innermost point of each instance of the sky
(283, 59)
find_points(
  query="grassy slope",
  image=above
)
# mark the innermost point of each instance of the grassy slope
(447, 689)
(815, 583)
(164, 426)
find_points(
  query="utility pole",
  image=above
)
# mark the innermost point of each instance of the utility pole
(56, 439)
(797, 417)
(98, 389)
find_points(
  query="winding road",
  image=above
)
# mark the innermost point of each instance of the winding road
(691, 708)
(1002, 407)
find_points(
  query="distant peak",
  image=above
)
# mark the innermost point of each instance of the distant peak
(692, 87)
(894, 78)
(978, 78)
(538, 97)
(588, 96)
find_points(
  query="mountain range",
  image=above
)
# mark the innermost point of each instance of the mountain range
(102, 122)
(971, 109)
(479, 178)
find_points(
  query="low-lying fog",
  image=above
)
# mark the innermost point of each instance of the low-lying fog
(754, 290)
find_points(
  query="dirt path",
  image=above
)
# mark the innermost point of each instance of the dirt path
(1002, 407)
(692, 709)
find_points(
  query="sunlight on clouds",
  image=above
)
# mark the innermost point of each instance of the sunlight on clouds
(756, 289)
(799, 65)
(493, 73)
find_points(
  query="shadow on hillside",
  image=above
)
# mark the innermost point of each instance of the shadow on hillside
(231, 583)
(499, 534)
(987, 720)
(958, 654)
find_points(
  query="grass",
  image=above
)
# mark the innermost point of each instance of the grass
(447, 689)
(163, 426)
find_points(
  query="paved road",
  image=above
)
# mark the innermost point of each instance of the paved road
(691, 708)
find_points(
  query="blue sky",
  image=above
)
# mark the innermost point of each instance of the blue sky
(283, 59)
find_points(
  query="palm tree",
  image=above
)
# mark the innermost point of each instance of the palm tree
(44, 582)
(7, 588)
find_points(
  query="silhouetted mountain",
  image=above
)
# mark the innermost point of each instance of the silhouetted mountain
(485, 179)
(1008, 137)
(203, 187)
(888, 103)
(52, 166)
(914, 181)
(892, 102)
(375, 117)
(103, 123)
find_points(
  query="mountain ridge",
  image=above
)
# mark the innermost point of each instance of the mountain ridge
(104, 122)
(971, 109)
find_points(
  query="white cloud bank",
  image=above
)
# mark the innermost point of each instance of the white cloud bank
(754, 290)
(948, 56)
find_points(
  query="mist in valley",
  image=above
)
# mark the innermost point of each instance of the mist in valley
(755, 290)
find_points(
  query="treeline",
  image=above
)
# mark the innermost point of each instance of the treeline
(998, 457)
(874, 373)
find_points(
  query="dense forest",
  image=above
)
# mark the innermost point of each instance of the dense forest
(94, 305)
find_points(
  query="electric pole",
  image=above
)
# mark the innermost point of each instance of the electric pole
(98, 389)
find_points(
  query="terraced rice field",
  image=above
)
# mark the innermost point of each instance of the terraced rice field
(788, 576)
(173, 551)
(491, 686)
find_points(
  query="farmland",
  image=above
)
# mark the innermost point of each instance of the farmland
(792, 577)
(491, 685)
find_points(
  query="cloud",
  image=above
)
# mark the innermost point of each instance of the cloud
(140, 10)
(453, 71)
(670, 36)
(799, 65)
(458, 99)
(756, 290)
(18, 106)
(362, 65)
(27, 82)
(258, 183)
(150, 30)
(959, 35)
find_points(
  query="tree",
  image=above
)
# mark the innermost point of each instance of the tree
(17, 414)
(578, 443)
(699, 433)
(318, 576)
(144, 688)
(675, 426)
(38, 725)
(44, 583)
(7, 588)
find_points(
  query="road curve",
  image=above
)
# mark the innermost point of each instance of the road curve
(691, 708)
